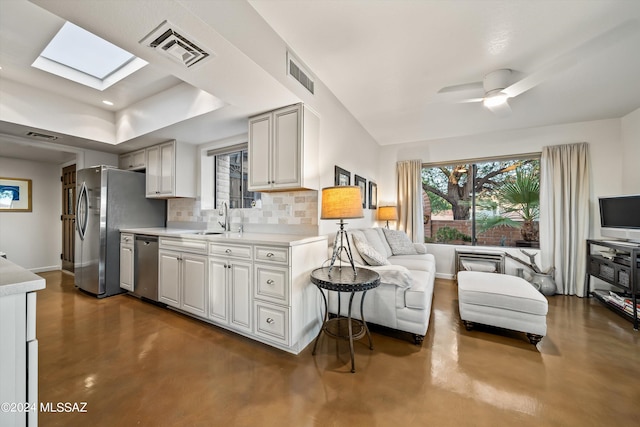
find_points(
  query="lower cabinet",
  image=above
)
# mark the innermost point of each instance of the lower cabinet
(230, 293)
(126, 262)
(183, 281)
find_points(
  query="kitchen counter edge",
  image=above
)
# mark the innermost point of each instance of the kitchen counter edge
(18, 280)
(228, 237)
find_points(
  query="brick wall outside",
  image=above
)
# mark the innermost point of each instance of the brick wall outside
(497, 236)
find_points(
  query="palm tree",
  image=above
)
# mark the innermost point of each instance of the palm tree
(520, 195)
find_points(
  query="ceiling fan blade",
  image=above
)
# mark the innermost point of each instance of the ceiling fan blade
(572, 57)
(501, 110)
(462, 88)
(469, 100)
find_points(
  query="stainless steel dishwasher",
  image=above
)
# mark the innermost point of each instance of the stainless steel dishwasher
(145, 267)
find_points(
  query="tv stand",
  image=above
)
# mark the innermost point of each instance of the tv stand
(620, 267)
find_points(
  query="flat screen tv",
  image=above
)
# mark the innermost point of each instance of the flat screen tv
(620, 217)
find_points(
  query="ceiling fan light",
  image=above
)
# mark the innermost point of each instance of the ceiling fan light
(495, 99)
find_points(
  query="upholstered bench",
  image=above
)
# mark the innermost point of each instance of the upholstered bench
(503, 301)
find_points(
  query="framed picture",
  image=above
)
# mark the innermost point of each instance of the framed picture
(342, 177)
(362, 183)
(15, 195)
(373, 195)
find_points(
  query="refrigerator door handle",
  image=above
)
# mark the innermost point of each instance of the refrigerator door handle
(83, 211)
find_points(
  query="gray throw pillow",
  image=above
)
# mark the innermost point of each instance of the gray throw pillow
(368, 252)
(399, 242)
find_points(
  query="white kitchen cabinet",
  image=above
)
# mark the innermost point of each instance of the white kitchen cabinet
(230, 286)
(126, 261)
(183, 277)
(135, 160)
(18, 345)
(283, 150)
(170, 169)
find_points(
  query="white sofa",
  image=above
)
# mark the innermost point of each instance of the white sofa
(403, 299)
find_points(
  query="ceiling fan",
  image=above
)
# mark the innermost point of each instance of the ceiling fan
(496, 87)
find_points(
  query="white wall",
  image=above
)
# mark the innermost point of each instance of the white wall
(33, 240)
(606, 152)
(631, 158)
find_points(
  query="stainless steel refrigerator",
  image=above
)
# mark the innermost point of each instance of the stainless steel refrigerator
(109, 199)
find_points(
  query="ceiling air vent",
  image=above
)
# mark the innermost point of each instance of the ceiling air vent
(42, 136)
(295, 70)
(172, 42)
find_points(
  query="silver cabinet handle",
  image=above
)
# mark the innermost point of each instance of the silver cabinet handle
(270, 254)
(270, 282)
(228, 251)
(270, 321)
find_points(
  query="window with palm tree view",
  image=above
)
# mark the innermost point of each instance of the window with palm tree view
(483, 203)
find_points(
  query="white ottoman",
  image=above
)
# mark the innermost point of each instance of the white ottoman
(504, 301)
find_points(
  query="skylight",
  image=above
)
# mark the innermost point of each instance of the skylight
(85, 58)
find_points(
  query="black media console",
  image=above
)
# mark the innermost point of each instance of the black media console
(617, 263)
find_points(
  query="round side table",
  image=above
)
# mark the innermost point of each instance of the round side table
(343, 280)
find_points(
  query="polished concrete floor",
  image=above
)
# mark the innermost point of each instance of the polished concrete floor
(135, 364)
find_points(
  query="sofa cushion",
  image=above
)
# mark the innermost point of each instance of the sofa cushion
(383, 239)
(399, 242)
(375, 239)
(368, 252)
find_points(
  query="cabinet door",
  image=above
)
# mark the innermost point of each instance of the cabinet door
(194, 284)
(169, 278)
(218, 291)
(126, 267)
(138, 159)
(167, 162)
(287, 150)
(239, 276)
(260, 152)
(125, 161)
(153, 171)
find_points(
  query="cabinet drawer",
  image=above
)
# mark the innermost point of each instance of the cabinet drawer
(272, 322)
(126, 238)
(272, 284)
(237, 251)
(272, 254)
(185, 245)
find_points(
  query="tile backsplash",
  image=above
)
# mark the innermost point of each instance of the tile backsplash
(292, 208)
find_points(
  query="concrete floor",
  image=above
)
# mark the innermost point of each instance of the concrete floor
(134, 363)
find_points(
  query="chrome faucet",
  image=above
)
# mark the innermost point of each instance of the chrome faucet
(226, 224)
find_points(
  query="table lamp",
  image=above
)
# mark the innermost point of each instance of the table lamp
(387, 213)
(341, 202)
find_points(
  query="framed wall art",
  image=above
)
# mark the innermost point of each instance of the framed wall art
(362, 183)
(15, 195)
(373, 195)
(342, 177)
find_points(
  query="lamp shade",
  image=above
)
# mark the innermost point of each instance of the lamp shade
(341, 202)
(387, 213)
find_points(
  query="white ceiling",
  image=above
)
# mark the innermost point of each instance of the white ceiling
(385, 60)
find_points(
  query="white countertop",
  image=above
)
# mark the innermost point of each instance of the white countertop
(16, 280)
(229, 236)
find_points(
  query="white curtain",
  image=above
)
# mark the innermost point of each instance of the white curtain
(564, 214)
(410, 216)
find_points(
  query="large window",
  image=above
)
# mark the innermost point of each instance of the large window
(230, 171)
(493, 202)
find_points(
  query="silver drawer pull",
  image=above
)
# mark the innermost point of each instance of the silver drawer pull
(228, 251)
(270, 254)
(270, 282)
(270, 321)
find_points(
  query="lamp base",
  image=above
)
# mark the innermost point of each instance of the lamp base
(337, 249)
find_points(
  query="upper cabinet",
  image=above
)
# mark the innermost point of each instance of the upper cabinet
(133, 161)
(283, 150)
(171, 170)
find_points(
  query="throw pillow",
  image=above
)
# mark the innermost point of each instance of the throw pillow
(370, 255)
(375, 239)
(354, 252)
(400, 242)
